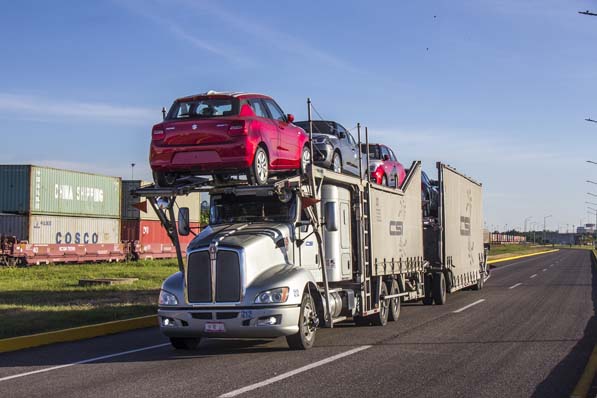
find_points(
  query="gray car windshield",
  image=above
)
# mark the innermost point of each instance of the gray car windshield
(319, 127)
(236, 209)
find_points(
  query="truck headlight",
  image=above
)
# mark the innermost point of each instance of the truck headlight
(278, 295)
(167, 298)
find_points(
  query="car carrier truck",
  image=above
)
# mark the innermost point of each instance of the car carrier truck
(309, 251)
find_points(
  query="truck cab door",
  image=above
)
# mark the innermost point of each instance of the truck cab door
(307, 253)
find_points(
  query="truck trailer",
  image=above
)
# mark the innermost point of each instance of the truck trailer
(310, 251)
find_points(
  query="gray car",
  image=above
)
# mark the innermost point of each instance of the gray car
(333, 146)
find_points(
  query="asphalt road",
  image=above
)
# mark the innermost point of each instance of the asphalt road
(529, 333)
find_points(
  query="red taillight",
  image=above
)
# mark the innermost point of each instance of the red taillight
(157, 134)
(239, 128)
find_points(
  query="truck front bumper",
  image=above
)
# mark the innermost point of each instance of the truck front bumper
(233, 323)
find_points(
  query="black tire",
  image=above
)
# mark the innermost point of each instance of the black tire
(384, 181)
(381, 318)
(259, 172)
(164, 179)
(439, 289)
(428, 299)
(185, 343)
(480, 282)
(305, 337)
(305, 159)
(394, 312)
(336, 163)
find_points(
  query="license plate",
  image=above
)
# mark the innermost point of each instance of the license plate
(214, 327)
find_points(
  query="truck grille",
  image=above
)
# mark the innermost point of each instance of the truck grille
(227, 277)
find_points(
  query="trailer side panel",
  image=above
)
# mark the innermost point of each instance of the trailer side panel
(462, 222)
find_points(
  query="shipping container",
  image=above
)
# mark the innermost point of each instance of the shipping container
(151, 231)
(26, 189)
(192, 201)
(14, 225)
(46, 229)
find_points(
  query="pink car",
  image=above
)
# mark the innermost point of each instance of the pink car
(384, 167)
(222, 134)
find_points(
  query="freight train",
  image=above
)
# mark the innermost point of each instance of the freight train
(50, 215)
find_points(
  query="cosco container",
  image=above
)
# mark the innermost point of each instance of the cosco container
(26, 189)
(45, 229)
(192, 201)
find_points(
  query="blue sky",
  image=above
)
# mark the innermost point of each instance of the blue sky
(498, 89)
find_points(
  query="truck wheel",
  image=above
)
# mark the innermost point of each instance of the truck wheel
(185, 343)
(439, 289)
(259, 172)
(381, 318)
(304, 339)
(394, 302)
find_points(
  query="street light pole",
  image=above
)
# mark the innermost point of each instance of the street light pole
(544, 224)
(132, 171)
(525, 222)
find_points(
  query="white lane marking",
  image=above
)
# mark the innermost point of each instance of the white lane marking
(293, 372)
(66, 365)
(532, 276)
(469, 306)
(514, 286)
(544, 269)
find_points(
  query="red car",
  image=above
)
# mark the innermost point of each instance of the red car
(384, 166)
(221, 134)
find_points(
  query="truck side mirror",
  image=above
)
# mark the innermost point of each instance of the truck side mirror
(183, 221)
(331, 223)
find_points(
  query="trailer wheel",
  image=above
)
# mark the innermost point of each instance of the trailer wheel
(394, 312)
(480, 282)
(439, 288)
(185, 343)
(428, 299)
(381, 318)
(305, 337)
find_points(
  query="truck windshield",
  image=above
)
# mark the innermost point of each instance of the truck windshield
(227, 208)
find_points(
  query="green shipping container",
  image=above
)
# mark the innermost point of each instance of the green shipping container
(26, 189)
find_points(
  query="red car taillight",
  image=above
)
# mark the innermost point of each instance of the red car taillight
(239, 128)
(157, 134)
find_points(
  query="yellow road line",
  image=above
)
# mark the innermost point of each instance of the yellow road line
(499, 260)
(586, 380)
(78, 333)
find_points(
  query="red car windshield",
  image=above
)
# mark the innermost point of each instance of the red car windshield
(202, 108)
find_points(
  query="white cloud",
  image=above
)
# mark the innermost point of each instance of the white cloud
(37, 108)
(279, 40)
(143, 9)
